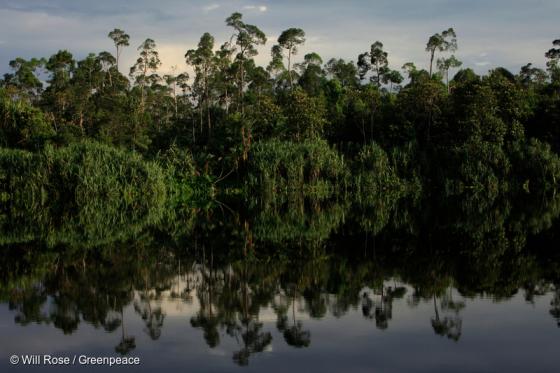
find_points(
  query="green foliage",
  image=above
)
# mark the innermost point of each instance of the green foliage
(480, 167)
(284, 166)
(306, 116)
(22, 125)
(101, 187)
(295, 224)
(233, 118)
(374, 171)
(536, 166)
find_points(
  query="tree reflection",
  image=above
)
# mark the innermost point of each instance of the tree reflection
(254, 340)
(379, 305)
(127, 343)
(230, 270)
(450, 326)
(555, 305)
(294, 334)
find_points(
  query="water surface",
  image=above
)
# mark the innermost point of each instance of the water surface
(380, 285)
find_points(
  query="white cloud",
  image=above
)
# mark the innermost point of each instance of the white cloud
(336, 30)
(211, 7)
(260, 8)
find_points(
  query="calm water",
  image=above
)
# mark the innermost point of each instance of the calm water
(385, 285)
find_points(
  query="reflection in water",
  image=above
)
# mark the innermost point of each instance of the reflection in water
(233, 274)
(381, 308)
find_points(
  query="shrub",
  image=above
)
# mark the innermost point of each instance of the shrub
(374, 172)
(537, 167)
(83, 193)
(287, 166)
(23, 126)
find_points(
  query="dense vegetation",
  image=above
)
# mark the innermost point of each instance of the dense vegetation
(340, 176)
(298, 124)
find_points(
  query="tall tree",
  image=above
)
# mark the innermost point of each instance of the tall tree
(276, 66)
(379, 62)
(121, 40)
(445, 64)
(553, 63)
(364, 65)
(172, 81)
(376, 60)
(444, 42)
(247, 38)
(410, 69)
(202, 60)
(529, 75)
(86, 80)
(392, 77)
(25, 78)
(312, 75)
(147, 62)
(290, 39)
(224, 76)
(108, 64)
(57, 96)
(345, 72)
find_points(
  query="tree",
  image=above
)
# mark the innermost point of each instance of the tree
(127, 343)
(87, 79)
(445, 64)
(553, 63)
(57, 96)
(306, 115)
(247, 38)
(22, 125)
(224, 75)
(312, 75)
(107, 62)
(172, 83)
(202, 60)
(411, 71)
(25, 78)
(450, 327)
(529, 75)
(276, 64)
(121, 40)
(391, 78)
(444, 42)
(147, 62)
(289, 40)
(379, 62)
(345, 72)
(376, 61)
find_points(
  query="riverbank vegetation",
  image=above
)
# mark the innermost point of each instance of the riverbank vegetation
(82, 128)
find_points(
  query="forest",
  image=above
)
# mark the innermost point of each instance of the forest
(266, 198)
(85, 128)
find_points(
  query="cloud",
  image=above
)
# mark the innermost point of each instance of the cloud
(260, 8)
(488, 31)
(211, 7)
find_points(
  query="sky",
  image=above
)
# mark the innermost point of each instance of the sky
(491, 33)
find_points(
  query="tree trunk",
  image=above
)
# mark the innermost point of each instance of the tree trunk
(432, 61)
(289, 68)
(118, 53)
